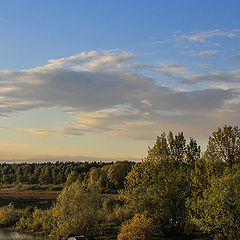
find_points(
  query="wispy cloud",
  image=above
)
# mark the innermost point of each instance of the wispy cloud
(205, 65)
(214, 77)
(204, 53)
(207, 53)
(159, 42)
(167, 68)
(172, 68)
(202, 36)
(42, 133)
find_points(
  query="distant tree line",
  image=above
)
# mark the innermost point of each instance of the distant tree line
(99, 176)
(44, 173)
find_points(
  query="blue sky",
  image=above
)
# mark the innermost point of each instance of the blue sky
(101, 79)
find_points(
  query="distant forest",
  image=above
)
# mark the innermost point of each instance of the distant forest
(44, 173)
(106, 177)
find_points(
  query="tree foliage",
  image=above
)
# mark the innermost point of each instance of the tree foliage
(218, 211)
(45, 173)
(117, 173)
(224, 146)
(137, 228)
(76, 212)
(158, 185)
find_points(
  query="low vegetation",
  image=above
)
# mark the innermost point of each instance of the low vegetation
(175, 191)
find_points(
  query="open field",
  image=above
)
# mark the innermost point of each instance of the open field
(28, 194)
(24, 198)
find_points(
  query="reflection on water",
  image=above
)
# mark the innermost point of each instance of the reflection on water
(7, 235)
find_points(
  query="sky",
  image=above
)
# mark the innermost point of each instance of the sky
(100, 79)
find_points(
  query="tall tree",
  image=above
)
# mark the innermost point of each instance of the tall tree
(158, 185)
(218, 210)
(224, 145)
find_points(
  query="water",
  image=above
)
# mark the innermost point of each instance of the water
(7, 235)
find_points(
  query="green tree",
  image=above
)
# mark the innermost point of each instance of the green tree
(224, 146)
(218, 211)
(117, 173)
(76, 212)
(199, 177)
(9, 215)
(71, 178)
(158, 186)
(97, 180)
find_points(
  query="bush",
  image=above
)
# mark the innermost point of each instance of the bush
(138, 228)
(76, 212)
(9, 215)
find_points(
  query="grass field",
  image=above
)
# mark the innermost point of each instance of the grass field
(24, 198)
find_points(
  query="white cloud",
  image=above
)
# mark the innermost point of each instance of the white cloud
(167, 68)
(214, 77)
(207, 53)
(205, 65)
(237, 71)
(204, 53)
(158, 42)
(202, 36)
(42, 133)
(108, 99)
(172, 68)
(146, 103)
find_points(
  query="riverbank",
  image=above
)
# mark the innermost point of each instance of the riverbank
(13, 235)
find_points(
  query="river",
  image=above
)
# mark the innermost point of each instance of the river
(9, 235)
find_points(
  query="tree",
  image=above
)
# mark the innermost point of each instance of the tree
(71, 178)
(174, 149)
(199, 177)
(117, 173)
(218, 211)
(224, 146)
(158, 185)
(97, 180)
(76, 212)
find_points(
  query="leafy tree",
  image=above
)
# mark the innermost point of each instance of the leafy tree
(158, 185)
(218, 211)
(71, 178)
(117, 172)
(224, 146)
(97, 180)
(174, 149)
(9, 215)
(199, 177)
(76, 212)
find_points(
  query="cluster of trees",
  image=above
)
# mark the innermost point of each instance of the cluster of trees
(99, 176)
(183, 192)
(109, 178)
(44, 173)
(175, 190)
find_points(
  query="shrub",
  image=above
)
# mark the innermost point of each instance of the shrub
(9, 215)
(138, 228)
